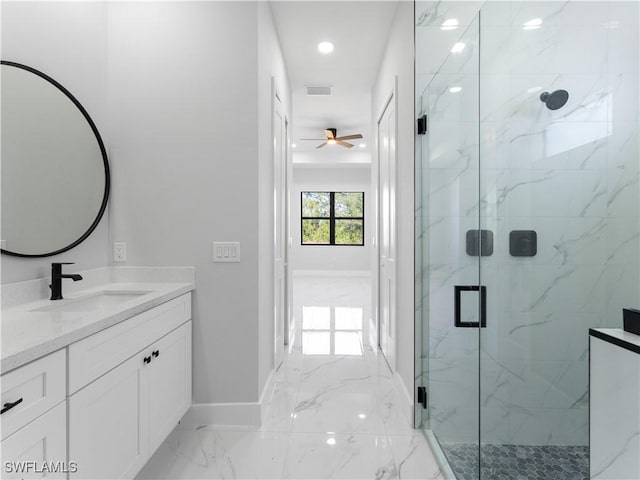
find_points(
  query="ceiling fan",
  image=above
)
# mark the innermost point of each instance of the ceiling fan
(333, 139)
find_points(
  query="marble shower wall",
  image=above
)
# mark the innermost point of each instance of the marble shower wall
(570, 174)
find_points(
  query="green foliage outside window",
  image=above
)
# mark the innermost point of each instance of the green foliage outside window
(332, 218)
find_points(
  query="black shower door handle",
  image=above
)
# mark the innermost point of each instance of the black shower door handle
(459, 289)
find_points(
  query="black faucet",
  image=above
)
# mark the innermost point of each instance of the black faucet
(56, 279)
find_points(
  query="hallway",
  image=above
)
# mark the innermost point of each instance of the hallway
(333, 412)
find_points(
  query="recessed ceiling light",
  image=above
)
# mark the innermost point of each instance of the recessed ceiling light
(455, 89)
(450, 24)
(331, 441)
(325, 47)
(458, 47)
(532, 24)
(293, 145)
(362, 145)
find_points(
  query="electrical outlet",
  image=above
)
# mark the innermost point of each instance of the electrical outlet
(119, 251)
(226, 252)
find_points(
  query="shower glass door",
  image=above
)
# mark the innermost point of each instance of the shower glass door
(528, 224)
(450, 244)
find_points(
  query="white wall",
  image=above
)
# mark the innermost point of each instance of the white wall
(270, 64)
(183, 115)
(398, 60)
(354, 178)
(68, 42)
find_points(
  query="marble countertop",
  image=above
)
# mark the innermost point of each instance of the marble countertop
(28, 334)
(619, 337)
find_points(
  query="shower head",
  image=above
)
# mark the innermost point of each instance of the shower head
(555, 100)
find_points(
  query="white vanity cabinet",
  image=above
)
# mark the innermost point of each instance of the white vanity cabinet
(39, 449)
(129, 386)
(614, 406)
(34, 420)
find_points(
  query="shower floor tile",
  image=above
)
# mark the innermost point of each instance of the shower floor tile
(519, 462)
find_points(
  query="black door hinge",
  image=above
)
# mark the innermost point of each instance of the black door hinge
(422, 125)
(422, 396)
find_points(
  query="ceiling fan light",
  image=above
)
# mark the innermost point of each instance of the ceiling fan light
(331, 141)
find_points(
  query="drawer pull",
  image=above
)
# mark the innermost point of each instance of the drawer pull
(9, 406)
(156, 353)
(147, 360)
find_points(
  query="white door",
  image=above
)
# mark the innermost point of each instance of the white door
(279, 227)
(387, 231)
(288, 317)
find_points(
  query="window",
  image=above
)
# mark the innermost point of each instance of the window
(332, 218)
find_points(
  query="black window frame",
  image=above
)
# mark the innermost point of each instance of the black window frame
(332, 220)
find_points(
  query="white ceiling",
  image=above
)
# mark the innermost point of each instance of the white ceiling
(359, 30)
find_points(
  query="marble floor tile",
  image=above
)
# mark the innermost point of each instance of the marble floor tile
(329, 415)
(339, 456)
(278, 414)
(335, 369)
(394, 420)
(210, 453)
(413, 457)
(336, 407)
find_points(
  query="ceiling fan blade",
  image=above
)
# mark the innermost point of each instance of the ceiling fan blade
(321, 145)
(349, 137)
(344, 144)
(329, 134)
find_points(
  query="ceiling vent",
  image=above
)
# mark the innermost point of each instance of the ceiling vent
(318, 90)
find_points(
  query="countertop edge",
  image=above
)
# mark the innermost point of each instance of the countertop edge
(35, 352)
(616, 336)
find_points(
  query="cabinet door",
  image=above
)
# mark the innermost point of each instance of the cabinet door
(38, 450)
(169, 383)
(34, 389)
(107, 437)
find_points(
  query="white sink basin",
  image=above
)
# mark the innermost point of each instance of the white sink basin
(94, 302)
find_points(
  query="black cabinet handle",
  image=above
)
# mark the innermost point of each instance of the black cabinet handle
(10, 405)
(156, 353)
(146, 360)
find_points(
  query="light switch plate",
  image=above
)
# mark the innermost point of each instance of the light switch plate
(119, 251)
(226, 252)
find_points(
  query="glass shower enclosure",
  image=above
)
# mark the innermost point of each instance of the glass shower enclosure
(527, 214)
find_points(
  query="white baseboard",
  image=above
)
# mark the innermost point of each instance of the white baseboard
(332, 273)
(245, 414)
(405, 398)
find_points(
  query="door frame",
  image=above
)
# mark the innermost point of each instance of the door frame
(277, 106)
(391, 97)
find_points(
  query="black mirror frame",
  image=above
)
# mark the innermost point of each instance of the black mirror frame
(105, 161)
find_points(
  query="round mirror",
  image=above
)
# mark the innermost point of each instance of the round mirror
(55, 173)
